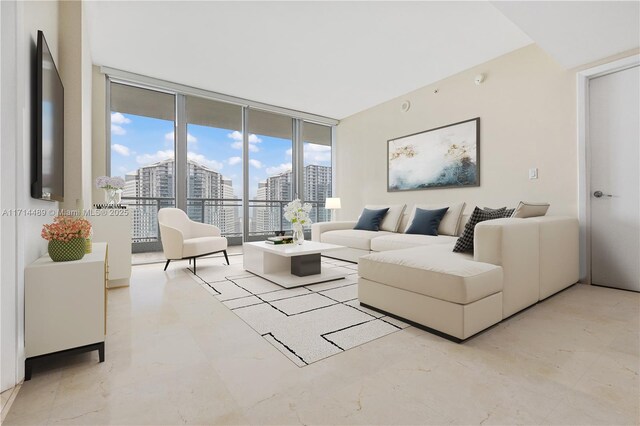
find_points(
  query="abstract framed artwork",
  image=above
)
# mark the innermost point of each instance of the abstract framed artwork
(444, 157)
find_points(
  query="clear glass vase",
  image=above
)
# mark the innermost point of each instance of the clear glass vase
(111, 197)
(298, 234)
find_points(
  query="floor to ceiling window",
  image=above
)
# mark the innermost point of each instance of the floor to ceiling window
(223, 163)
(271, 180)
(317, 172)
(143, 151)
(214, 165)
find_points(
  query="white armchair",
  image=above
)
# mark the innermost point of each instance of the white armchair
(182, 238)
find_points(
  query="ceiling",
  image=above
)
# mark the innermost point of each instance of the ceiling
(333, 58)
(577, 32)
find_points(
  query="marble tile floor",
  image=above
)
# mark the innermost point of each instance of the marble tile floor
(176, 355)
(158, 256)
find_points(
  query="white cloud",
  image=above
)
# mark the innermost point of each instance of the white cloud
(201, 159)
(314, 153)
(146, 159)
(118, 130)
(121, 149)
(313, 147)
(284, 167)
(118, 118)
(255, 163)
(234, 160)
(236, 136)
(117, 122)
(238, 145)
(170, 138)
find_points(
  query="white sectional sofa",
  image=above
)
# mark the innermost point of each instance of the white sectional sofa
(515, 264)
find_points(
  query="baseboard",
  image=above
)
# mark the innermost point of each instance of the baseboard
(418, 325)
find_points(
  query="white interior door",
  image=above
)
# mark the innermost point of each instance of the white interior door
(614, 138)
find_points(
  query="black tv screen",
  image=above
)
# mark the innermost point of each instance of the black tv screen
(48, 149)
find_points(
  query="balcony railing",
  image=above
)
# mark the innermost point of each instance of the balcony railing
(265, 217)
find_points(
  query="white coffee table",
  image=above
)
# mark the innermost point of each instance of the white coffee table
(289, 265)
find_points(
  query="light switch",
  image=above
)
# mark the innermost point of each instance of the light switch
(533, 173)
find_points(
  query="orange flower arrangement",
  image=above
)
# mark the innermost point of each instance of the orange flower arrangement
(66, 228)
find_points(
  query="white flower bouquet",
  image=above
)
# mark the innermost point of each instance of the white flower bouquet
(106, 182)
(297, 212)
(112, 186)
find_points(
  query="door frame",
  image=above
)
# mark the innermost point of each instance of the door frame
(584, 158)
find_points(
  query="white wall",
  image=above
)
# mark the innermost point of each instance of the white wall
(527, 110)
(98, 130)
(20, 242)
(8, 296)
(75, 69)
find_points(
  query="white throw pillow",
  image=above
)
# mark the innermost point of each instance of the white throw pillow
(391, 220)
(451, 220)
(526, 209)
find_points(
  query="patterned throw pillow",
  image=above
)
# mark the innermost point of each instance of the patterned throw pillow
(465, 242)
(507, 212)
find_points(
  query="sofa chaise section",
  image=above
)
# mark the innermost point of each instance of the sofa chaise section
(459, 295)
(444, 291)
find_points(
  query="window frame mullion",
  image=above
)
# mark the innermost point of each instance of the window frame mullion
(180, 147)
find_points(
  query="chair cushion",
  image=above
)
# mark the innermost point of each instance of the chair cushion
(434, 271)
(353, 238)
(370, 219)
(391, 221)
(403, 241)
(198, 246)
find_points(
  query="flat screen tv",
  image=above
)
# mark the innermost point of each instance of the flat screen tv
(47, 168)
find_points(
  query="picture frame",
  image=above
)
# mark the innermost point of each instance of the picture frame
(442, 157)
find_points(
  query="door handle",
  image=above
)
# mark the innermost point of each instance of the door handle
(600, 194)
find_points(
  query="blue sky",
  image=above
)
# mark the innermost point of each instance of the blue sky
(137, 141)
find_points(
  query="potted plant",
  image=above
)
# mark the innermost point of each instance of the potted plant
(66, 236)
(297, 213)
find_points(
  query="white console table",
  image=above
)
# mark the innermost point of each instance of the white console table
(65, 306)
(113, 226)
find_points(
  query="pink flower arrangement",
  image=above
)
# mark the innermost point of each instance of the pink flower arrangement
(66, 228)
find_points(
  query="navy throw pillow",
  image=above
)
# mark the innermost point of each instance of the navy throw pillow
(370, 220)
(426, 222)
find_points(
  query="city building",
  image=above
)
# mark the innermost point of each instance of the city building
(210, 198)
(275, 192)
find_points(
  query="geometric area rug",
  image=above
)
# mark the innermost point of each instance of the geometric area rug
(307, 323)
